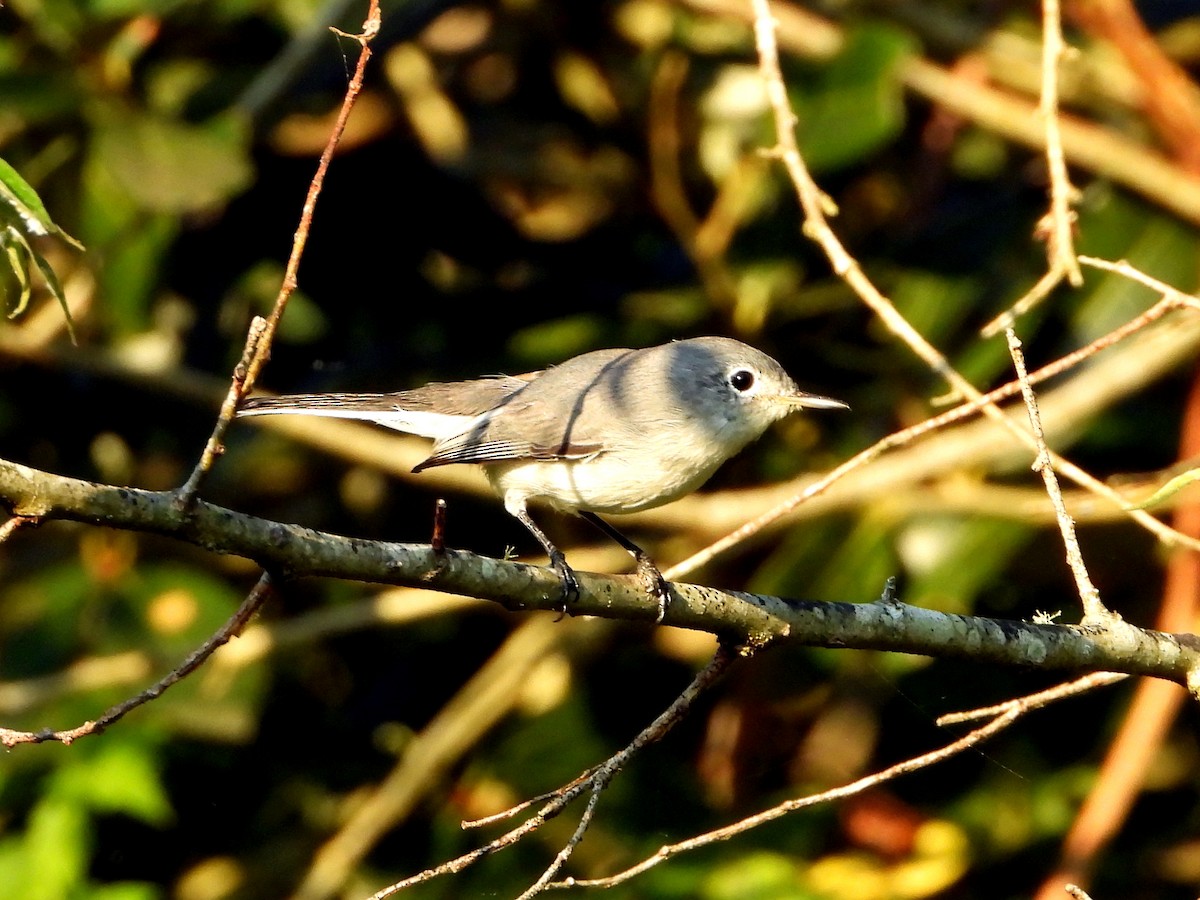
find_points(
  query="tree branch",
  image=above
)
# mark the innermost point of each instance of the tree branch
(752, 619)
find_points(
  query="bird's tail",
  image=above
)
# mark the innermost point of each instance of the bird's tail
(382, 409)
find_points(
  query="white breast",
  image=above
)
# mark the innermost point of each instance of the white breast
(624, 481)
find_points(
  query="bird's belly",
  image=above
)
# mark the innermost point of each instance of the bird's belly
(602, 484)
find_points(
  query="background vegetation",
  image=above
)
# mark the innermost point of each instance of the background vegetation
(522, 181)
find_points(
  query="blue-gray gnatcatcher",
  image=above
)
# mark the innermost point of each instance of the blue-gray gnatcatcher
(612, 431)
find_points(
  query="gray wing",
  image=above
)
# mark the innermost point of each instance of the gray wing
(511, 432)
(564, 413)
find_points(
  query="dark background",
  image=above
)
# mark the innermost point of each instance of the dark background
(541, 234)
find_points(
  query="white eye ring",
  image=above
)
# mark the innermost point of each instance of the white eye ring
(742, 380)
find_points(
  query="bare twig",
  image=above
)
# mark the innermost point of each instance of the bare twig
(518, 808)
(1124, 269)
(288, 287)
(1051, 279)
(214, 447)
(289, 64)
(255, 599)
(1057, 225)
(560, 858)
(1172, 300)
(1060, 242)
(595, 782)
(12, 524)
(1004, 715)
(438, 539)
(262, 333)
(393, 607)
(1151, 711)
(1094, 611)
(1041, 698)
(1040, 291)
(817, 207)
(1086, 145)
(474, 709)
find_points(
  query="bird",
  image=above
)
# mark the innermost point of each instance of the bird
(609, 431)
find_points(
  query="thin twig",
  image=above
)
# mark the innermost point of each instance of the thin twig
(394, 607)
(437, 540)
(596, 781)
(816, 206)
(232, 627)
(1060, 242)
(1097, 148)
(1094, 611)
(1122, 267)
(512, 811)
(258, 342)
(1057, 225)
(1027, 301)
(560, 858)
(1006, 714)
(214, 447)
(429, 758)
(1152, 710)
(1176, 300)
(288, 65)
(1041, 698)
(11, 525)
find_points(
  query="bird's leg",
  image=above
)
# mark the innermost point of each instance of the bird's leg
(570, 585)
(652, 579)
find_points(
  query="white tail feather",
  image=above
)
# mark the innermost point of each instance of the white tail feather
(419, 422)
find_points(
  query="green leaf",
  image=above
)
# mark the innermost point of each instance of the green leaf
(1168, 490)
(18, 199)
(548, 342)
(118, 778)
(57, 844)
(16, 255)
(858, 102)
(23, 217)
(125, 890)
(12, 867)
(171, 167)
(124, 9)
(757, 876)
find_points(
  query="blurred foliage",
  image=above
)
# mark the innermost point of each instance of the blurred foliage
(522, 181)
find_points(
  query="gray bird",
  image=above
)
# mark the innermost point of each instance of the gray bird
(611, 431)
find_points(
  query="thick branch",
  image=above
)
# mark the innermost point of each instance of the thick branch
(742, 617)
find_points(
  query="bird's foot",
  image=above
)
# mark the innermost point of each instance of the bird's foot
(654, 583)
(570, 584)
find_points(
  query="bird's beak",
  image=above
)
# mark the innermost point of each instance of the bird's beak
(815, 401)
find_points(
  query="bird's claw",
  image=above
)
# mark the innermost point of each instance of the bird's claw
(570, 584)
(656, 586)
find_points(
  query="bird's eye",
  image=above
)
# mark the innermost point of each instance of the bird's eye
(742, 380)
